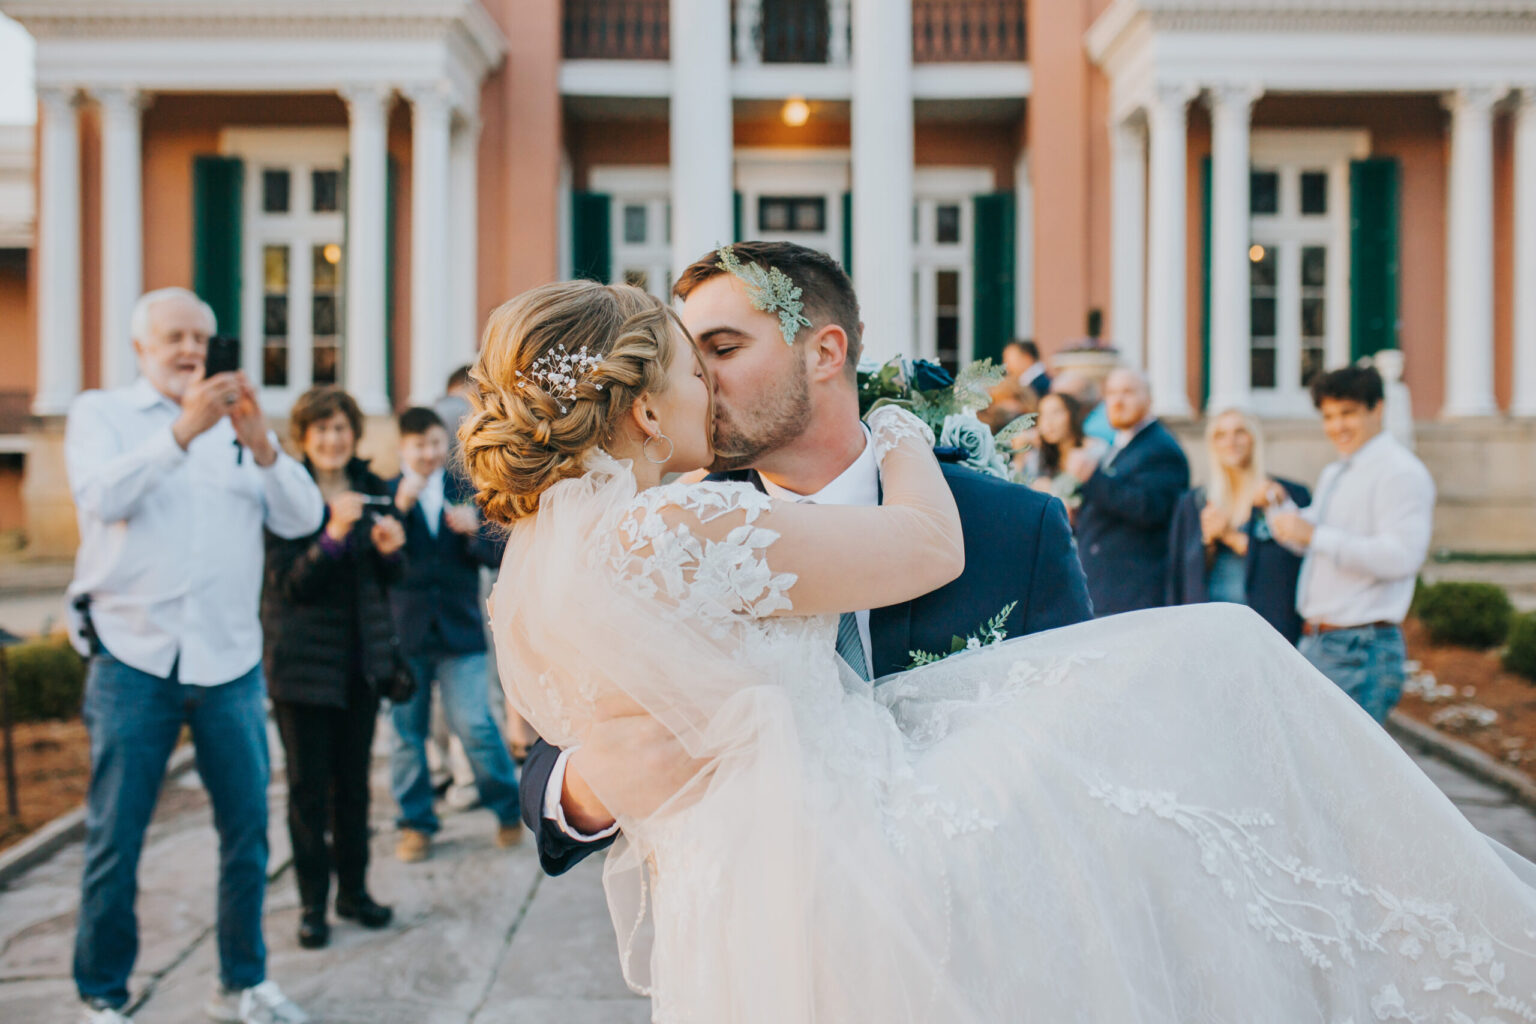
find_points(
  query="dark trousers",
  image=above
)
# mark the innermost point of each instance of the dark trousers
(327, 750)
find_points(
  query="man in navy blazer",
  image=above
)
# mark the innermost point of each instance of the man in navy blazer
(440, 623)
(790, 411)
(1128, 500)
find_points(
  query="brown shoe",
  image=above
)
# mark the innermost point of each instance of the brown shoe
(508, 836)
(412, 846)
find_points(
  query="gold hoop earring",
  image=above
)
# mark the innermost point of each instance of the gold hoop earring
(646, 448)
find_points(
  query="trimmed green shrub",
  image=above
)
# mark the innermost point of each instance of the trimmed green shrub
(1465, 614)
(47, 679)
(1520, 655)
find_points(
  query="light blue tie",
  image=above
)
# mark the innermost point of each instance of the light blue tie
(850, 647)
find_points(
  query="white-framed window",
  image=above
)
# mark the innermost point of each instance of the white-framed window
(1298, 257)
(293, 333)
(794, 195)
(943, 263)
(639, 225)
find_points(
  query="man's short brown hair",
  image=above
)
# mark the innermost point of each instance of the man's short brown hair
(824, 285)
(321, 403)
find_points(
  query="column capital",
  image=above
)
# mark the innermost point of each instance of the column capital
(1172, 94)
(429, 97)
(1474, 99)
(120, 99)
(56, 97)
(366, 94)
(1523, 96)
(1234, 94)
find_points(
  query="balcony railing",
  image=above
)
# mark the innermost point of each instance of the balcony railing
(967, 30)
(798, 31)
(617, 30)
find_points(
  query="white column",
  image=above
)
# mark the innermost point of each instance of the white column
(882, 174)
(1469, 256)
(837, 33)
(1166, 253)
(122, 231)
(702, 126)
(1524, 403)
(1128, 252)
(431, 113)
(366, 355)
(58, 252)
(1231, 378)
(749, 17)
(464, 323)
(1024, 250)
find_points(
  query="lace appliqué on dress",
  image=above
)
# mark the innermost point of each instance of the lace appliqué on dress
(1327, 915)
(711, 581)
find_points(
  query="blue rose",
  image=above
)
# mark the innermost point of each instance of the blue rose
(930, 376)
(964, 431)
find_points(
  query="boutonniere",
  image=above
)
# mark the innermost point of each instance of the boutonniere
(991, 633)
(948, 404)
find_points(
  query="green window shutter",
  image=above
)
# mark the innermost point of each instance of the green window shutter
(848, 233)
(992, 324)
(391, 190)
(591, 243)
(736, 212)
(1205, 282)
(217, 183)
(1374, 190)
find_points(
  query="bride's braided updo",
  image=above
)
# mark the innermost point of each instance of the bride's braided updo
(529, 431)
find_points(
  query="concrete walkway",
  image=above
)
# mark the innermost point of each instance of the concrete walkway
(480, 936)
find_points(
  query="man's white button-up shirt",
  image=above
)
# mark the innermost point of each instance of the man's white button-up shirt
(171, 547)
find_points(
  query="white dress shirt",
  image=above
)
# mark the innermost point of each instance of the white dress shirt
(1372, 515)
(431, 501)
(859, 484)
(171, 549)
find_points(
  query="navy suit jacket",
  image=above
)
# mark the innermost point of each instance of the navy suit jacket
(437, 603)
(1122, 526)
(1018, 548)
(1271, 570)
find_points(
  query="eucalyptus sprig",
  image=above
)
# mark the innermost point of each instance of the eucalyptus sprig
(993, 631)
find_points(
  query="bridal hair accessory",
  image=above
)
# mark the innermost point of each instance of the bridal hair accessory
(770, 290)
(646, 448)
(559, 372)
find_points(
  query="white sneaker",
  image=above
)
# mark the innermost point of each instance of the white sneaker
(261, 1004)
(103, 1015)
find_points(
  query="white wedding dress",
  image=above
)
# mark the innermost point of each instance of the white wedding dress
(1166, 816)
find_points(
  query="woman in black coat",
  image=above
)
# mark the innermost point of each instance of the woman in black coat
(1221, 547)
(330, 648)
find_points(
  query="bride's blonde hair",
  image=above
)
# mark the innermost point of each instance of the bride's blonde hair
(520, 438)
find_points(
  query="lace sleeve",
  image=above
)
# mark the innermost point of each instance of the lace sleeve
(720, 550)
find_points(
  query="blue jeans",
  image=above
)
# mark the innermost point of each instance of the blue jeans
(461, 681)
(1366, 662)
(134, 719)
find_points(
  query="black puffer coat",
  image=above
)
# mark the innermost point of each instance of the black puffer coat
(326, 617)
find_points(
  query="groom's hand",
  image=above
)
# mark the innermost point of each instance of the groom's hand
(628, 764)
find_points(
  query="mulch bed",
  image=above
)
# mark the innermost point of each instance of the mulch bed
(53, 769)
(1469, 695)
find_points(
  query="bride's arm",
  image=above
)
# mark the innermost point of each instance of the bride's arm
(845, 558)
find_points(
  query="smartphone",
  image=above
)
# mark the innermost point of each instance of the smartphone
(223, 355)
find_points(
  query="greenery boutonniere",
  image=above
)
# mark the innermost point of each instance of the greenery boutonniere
(992, 632)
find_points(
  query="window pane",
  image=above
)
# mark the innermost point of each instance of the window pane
(1262, 312)
(1311, 363)
(1261, 271)
(1313, 321)
(638, 278)
(1314, 267)
(634, 224)
(274, 191)
(1314, 192)
(275, 260)
(326, 368)
(1264, 192)
(274, 366)
(323, 321)
(947, 224)
(327, 264)
(947, 319)
(1262, 367)
(275, 316)
(811, 215)
(325, 191)
(773, 214)
(949, 288)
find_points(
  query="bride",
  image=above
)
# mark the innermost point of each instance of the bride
(1166, 816)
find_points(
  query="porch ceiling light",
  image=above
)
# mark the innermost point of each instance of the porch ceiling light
(796, 112)
(1255, 254)
(332, 253)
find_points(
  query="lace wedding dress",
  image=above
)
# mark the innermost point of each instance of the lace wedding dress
(1167, 816)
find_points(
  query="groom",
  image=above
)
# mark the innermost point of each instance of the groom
(787, 420)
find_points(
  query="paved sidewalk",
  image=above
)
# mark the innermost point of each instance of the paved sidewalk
(480, 936)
